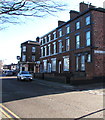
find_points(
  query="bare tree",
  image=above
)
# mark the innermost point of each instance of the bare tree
(36, 8)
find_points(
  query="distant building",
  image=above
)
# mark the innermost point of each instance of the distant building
(1, 65)
(11, 66)
(76, 48)
(30, 53)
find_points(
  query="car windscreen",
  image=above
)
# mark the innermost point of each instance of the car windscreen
(24, 72)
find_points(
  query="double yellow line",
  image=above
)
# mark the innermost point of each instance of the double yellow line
(9, 114)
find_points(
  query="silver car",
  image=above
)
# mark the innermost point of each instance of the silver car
(24, 75)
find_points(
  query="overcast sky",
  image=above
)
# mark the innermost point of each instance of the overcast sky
(13, 35)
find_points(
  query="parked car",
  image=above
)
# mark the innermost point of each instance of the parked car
(24, 75)
(9, 73)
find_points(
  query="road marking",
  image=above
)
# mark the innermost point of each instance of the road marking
(7, 112)
(2, 111)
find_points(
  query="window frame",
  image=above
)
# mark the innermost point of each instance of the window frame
(33, 50)
(54, 35)
(41, 51)
(77, 25)
(87, 21)
(54, 46)
(67, 44)
(24, 48)
(45, 49)
(53, 65)
(66, 63)
(49, 49)
(60, 46)
(33, 58)
(77, 63)
(83, 63)
(49, 37)
(89, 58)
(88, 39)
(45, 65)
(67, 29)
(23, 58)
(60, 32)
(77, 42)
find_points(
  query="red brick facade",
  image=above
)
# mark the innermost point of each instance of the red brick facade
(76, 48)
(30, 53)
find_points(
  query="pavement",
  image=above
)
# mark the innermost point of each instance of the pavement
(96, 88)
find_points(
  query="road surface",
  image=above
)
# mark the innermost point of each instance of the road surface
(38, 100)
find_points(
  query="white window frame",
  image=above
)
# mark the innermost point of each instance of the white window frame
(33, 49)
(49, 67)
(82, 62)
(23, 57)
(41, 51)
(53, 64)
(77, 25)
(60, 46)
(24, 48)
(45, 47)
(60, 32)
(68, 29)
(49, 49)
(54, 34)
(66, 63)
(88, 57)
(88, 38)
(77, 63)
(33, 57)
(54, 43)
(77, 41)
(45, 65)
(45, 39)
(87, 20)
(67, 44)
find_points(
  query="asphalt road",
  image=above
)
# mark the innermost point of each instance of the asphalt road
(37, 100)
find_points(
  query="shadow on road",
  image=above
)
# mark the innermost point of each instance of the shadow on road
(16, 90)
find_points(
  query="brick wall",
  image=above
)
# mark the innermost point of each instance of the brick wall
(98, 43)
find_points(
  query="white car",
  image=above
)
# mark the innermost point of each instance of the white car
(24, 75)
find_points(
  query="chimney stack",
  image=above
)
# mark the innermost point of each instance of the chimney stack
(37, 39)
(73, 14)
(84, 6)
(60, 22)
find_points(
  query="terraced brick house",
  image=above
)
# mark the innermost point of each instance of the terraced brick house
(30, 53)
(76, 48)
